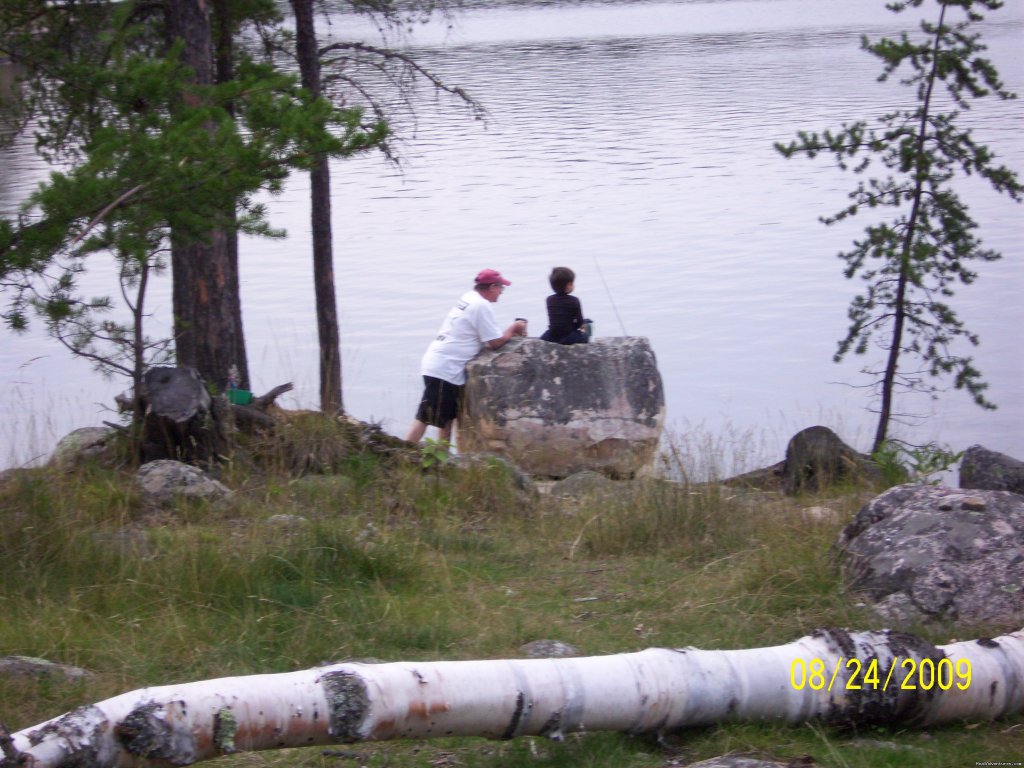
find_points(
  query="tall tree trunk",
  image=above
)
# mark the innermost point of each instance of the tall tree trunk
(907, 254)
(320, 199)
(863, 679)
(207, 310)
(224, 70)
(206, 301)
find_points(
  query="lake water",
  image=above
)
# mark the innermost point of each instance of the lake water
(633, 143)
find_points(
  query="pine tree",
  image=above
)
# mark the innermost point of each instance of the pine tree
(212, 89)
(912, 262)
(150, 146)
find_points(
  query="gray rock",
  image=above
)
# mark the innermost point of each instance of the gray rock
(164, 480)
(931, 552)
(549, 649)
(581, 484)
(28, 666)
(990, 470)
(554, 410)
(817, 458)
(80, 445)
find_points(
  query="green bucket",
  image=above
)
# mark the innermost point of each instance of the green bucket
(239, 396)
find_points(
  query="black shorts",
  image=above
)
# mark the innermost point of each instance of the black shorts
(440, 403)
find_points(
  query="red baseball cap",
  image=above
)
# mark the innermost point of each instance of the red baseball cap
(490, 276)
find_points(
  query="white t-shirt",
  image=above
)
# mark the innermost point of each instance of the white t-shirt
(467, 327)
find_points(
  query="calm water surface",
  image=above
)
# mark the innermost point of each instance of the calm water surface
(633, 143)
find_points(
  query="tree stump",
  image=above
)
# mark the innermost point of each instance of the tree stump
(181, 421)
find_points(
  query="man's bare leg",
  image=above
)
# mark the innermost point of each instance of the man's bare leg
(444, 434)
(416, 431)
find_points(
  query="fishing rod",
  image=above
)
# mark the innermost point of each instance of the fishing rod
(607, 290)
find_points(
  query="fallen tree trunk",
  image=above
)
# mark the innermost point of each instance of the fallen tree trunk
(831, 675)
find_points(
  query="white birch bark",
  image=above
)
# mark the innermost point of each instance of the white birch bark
(653, 690)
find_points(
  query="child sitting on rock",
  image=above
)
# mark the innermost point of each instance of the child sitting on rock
(566, 324)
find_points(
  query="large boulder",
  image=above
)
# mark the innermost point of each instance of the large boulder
(931, 552)
(554, 410)
(816, 458)
(990, 470)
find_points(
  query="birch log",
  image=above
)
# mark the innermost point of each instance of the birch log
(831, 675)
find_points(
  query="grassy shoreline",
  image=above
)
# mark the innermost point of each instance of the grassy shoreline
(383, 559)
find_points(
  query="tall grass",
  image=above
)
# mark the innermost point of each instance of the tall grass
(328, 552)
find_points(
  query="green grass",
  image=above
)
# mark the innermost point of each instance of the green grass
(391, 561)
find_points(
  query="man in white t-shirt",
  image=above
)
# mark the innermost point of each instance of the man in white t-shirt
(465, 331)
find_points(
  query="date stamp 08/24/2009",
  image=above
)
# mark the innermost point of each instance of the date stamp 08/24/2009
(914, 674)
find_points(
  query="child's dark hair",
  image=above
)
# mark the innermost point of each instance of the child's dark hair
(560, 277)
